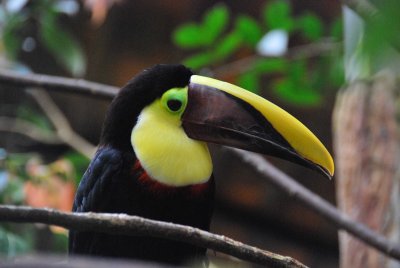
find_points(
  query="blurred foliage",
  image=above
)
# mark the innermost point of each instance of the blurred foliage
(33, 116)
(220, 39)
(385, 28)
(26, 180)
(374, 47)
(17, 17)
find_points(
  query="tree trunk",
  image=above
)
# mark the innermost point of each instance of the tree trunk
(367, 156)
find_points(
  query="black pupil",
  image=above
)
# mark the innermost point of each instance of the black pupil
(174, 105)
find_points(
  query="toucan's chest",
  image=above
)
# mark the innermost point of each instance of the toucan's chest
(135, 193)
(163, 190)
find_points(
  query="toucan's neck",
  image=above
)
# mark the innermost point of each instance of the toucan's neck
(120, 119)
(157, 187)
(122, 116)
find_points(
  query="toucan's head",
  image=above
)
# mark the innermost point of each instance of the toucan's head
(166, 114)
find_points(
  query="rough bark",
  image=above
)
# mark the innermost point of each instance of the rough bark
(366, 145)
(112, 223)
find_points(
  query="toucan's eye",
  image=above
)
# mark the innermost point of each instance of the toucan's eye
(174, 100)
(174, 105)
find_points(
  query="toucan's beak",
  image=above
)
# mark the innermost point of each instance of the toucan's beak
(222, 113)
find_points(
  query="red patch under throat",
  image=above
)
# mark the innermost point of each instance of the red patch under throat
(159, 187)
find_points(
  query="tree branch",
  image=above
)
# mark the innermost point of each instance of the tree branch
(138, 226)
(56, 83)
(63, 128)
(28, 129)
(319, 205)
(283, 181)
(299, 52)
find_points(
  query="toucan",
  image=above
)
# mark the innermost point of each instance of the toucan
(153, 160)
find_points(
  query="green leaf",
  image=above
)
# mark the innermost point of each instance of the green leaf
(336, 30)
(379, 31)
(60, 243)
(249, 29)
(214, 23)
(311, 26)
(263, 66)
(336, 71)
(277, 15)
(249, 81)
(13, 193)
(199, 60)
(61, 45)
(16, 164)
(192, 35)
(189, 36)
(297, 71)
(12, 244)
(227, 46)
(30, 115)
(296, 87)
(10, 35)
(291, 92)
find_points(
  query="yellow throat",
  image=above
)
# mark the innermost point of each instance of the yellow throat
(164, 150)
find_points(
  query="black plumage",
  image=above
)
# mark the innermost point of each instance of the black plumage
(116, 183)
(139, 92)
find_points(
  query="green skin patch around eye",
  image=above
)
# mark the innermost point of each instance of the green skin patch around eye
(165, 151)
(177, 94)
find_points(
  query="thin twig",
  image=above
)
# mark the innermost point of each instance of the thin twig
(316, 203)
(284, 181)
(59, 84)
(28, 129)
(63, 128)
(138, 226)
(299, 52)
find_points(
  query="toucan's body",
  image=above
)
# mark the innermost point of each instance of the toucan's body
(153, 160)
(116, 183)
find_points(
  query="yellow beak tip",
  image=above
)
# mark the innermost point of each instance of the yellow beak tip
(329, 166)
